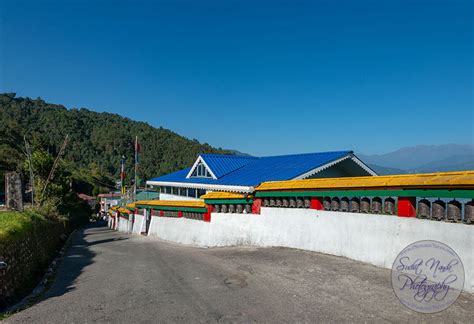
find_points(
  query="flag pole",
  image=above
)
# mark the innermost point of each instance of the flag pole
(136, 165)
(122, 176)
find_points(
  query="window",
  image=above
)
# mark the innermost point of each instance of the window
(191, 192)
(201, 192)
(200, 171)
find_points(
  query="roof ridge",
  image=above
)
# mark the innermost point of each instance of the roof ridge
(229, 155)
(310, 153)
(267, 156)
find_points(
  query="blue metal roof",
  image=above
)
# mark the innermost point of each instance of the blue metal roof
(251, 171)
(222, 164)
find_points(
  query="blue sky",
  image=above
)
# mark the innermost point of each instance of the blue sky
(261, 77)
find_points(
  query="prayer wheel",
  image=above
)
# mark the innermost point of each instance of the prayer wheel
(278, 202)
(248, 209)
(389, 206)
(344, 204)
(239, 208)
(424, 208)
(354, 205)
(335, 204)
(307, 202)
(365, 205)
(224, 209)
(299, 202)
(231, 208)
(438, 210)
(327, 203)
(376, 205)
(217, 208)
(266, 202)
(285, 203)
(469, 212)
(292, 202)
(454, 211)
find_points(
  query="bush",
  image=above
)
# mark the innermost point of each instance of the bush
(14, 225)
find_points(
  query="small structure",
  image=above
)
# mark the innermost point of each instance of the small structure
(148, 195)
(89, 199)
(107, 201)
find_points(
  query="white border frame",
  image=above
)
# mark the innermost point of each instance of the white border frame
(202, 186)
(200, 159)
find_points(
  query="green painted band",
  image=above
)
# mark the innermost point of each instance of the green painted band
(228, 201)
(431, 193)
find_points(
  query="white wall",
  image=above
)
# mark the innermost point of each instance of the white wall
(375, 239)
(123, 225)
(137, 225)
(164, 196)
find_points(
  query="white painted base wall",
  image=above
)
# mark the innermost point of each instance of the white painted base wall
(164, 196)
(113, 223)
(137, 225)
(123, 225)
(375, 239)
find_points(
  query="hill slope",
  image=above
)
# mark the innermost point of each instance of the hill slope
(96, 140)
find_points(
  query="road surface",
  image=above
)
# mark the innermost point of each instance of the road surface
(108, 276)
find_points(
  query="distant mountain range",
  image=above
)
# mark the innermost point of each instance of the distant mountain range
(422, 159)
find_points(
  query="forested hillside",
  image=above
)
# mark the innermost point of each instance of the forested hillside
(96, 140)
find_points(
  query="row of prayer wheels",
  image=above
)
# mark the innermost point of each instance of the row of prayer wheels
(437, 210)
(233, 208)
(171, 213)
(361, 205)
(287, 202)
(451, 211)
(191, 215)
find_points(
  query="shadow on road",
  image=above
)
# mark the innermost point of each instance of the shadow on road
(78, 256)
(107, 241)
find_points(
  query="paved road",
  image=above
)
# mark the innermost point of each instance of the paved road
(112, 277)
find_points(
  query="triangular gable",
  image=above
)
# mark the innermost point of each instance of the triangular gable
(219, 165)
(200, 169)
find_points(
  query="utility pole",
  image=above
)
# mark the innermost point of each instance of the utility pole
(55, 165)
(32, 179)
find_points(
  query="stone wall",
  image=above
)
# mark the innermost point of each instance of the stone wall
(27, 255)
